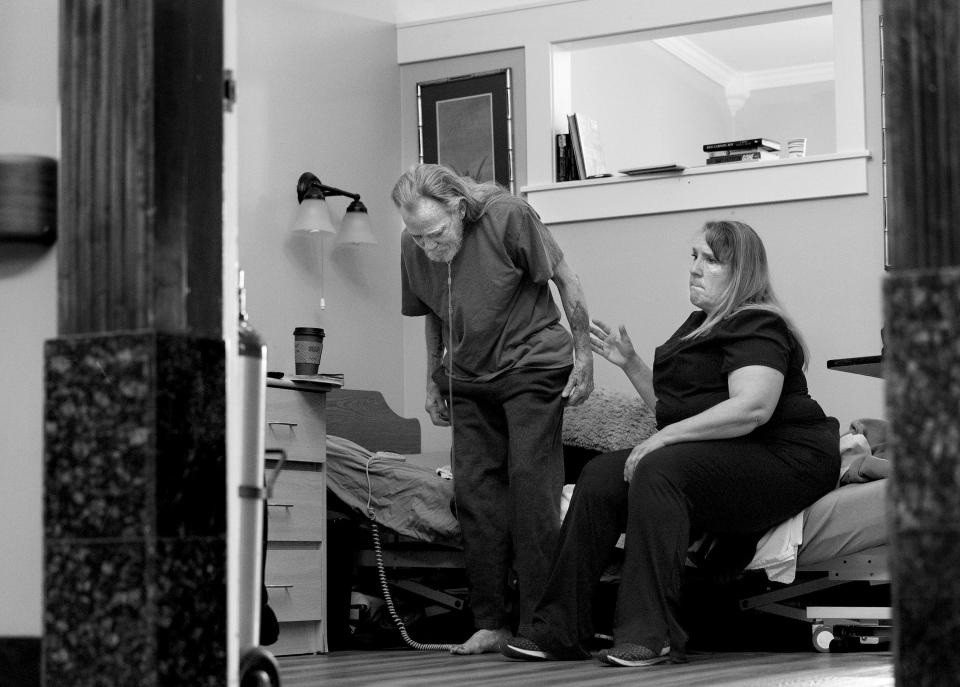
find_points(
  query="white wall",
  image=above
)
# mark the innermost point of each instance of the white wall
(801, 110)
(634, 271)
(317, 91)
(653, 107)
(826, 254)
(639, 100)
(28, 289)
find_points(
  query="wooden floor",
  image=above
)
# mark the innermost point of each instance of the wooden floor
(436, 669)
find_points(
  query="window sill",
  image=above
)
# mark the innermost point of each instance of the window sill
(697, 188)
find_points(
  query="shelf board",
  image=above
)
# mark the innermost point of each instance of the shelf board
(869, 365)
(696, 188)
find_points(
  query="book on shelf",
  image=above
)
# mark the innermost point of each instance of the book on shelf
(665, 168)
(566, 168)
(741, 151)
(586, 146)
(743, 157)
(763, 143)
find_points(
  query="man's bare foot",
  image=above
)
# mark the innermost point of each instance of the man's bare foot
(483, 642)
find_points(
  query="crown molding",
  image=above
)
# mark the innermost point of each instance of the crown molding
(738, 85)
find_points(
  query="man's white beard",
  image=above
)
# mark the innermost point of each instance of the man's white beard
(450, 251)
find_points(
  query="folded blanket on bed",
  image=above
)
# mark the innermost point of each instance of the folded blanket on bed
(409, 499)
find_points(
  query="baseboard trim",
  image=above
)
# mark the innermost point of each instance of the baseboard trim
(20, 661)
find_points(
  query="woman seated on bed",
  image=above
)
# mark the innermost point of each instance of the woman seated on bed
(741, 447)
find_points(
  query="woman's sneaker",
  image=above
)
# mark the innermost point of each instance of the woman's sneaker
(634, 656)
(527, 649)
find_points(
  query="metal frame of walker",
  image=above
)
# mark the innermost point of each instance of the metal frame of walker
(258, 667)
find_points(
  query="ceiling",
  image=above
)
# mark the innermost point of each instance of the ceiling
(407, 11)
(412, 11)
(746, 49)
(771, 46)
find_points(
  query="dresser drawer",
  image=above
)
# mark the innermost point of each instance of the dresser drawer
(295, 423)
(294, 580)
(298, 508)
(300, 638)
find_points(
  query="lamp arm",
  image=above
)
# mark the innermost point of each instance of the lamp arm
(309, 186)
(331, 191)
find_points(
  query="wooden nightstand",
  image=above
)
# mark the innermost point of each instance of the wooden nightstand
(296, 572)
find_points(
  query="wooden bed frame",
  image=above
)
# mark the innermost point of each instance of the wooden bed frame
(365, 418)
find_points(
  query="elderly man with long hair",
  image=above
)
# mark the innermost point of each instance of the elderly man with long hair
(477, 263)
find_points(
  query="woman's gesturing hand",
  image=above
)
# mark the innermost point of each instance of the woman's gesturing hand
(614, 345)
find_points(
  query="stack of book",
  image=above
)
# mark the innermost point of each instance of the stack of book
(565, 165)
(746, 150)
(579, 153)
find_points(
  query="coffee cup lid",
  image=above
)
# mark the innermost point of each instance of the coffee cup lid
(310, 331)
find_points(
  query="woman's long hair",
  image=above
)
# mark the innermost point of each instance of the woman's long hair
(445, 186)
(736, 244)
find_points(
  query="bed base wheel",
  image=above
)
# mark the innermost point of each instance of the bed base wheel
(822, 637)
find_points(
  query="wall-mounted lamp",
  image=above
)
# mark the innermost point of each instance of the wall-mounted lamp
(313, 215)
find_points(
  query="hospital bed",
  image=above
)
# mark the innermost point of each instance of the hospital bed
(375, 465)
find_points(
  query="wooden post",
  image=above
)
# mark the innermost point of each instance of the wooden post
(135, 422)
(922, 355)
(923, 132)
(142, 138)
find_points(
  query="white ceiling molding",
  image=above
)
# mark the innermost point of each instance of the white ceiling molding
(686, 50)
(738, 85)
(790, 76)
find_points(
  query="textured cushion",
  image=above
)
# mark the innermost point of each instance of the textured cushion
(607, 421)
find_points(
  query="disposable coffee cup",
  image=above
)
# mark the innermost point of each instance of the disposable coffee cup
(307, 349)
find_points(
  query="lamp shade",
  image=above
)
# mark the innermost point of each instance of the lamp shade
(355, 227)
(313, 216)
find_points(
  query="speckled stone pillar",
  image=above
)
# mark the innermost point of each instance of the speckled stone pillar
(922, 372)
(135, 511)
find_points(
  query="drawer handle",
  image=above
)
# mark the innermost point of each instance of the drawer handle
(279, 505)
(279, 586)
(280, 422)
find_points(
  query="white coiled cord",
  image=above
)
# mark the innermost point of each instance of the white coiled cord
(375, 530)
(382, 574)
